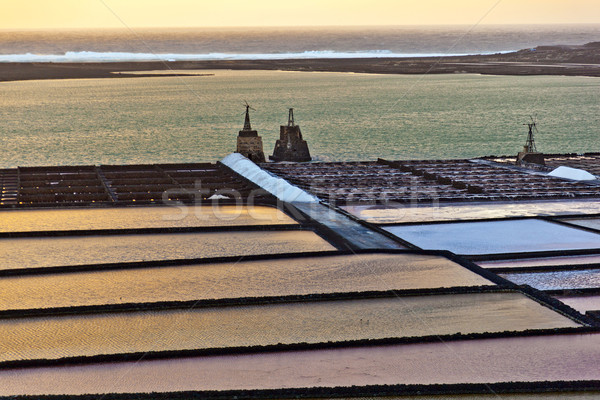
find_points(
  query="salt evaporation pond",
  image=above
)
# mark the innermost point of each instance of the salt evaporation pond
(519, 359)
(80, 250)
(496, 237)
(289, 276)
(581, 303)
(557, 280)
(593, 223)
(310, 322)
(542, 261)
(449, 212)
(138, 217)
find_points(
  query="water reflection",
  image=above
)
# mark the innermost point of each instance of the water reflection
(80, 250)
(524, 359)
(557, 280)
(33, 338)
(364, 272)
(138, 217)
(448, 212)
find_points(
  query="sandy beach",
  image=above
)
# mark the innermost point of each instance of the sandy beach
(581, 60)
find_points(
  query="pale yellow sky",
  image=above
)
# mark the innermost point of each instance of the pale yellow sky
(39, 14)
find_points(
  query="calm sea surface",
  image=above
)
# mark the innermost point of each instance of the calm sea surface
(342, 116)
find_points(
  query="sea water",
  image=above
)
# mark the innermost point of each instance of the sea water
(342, 116)
(283, 42)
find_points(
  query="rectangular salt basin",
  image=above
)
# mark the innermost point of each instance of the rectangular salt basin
(542, 261)
(593, 223)
(81, 250)
(572, 395)
(139, 217)
(310, 322)
(461, 211)
(557, 280)
(518, 359)
(496, 237)
(289, 276)
(581, 303)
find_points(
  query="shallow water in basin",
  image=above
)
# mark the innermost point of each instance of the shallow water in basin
(524, 359)
(542, 261)
(306, 275)
(448, 212)
(581, 303)
(593, 223)
(496, 236)
(311, 322)
(81, 250)
(557, 280)
(138, 217)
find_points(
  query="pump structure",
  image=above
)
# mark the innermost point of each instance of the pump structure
(290, 146)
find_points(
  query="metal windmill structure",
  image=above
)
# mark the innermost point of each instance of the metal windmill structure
(530, 154)
(247, 126)
(530, 144)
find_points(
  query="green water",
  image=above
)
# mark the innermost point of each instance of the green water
(343, 116)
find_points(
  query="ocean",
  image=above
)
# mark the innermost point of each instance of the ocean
(343, 116)
(293, 42)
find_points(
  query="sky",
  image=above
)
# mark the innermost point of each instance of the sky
(67, 14)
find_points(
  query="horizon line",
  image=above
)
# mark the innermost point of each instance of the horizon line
(292, 27)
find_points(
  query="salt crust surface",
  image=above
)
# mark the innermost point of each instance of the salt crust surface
(572, 173)
(278, 187)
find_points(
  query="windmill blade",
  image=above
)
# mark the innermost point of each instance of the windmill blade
(533, 119)
(249, 106)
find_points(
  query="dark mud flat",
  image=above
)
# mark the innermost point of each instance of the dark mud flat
(581, 60)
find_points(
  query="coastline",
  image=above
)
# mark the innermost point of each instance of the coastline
(581, 60)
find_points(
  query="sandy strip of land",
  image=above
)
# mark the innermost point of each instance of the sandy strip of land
(34, 71)
(583, 60)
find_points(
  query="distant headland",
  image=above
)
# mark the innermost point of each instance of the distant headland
(568, 60)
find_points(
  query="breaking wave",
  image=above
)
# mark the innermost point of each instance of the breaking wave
(91, 56)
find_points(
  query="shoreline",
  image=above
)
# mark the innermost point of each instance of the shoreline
(581, 60)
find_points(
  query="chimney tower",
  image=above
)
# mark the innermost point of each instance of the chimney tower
(249, 144)
(290, 146)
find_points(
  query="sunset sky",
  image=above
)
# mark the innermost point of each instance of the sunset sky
(39, 14)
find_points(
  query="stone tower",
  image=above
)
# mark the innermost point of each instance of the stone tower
(249, 144)
(290, 146)
(530, 153)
